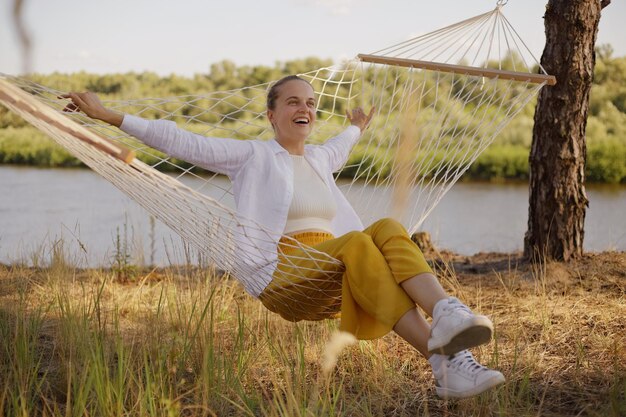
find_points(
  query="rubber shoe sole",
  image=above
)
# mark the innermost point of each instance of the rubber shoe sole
(471, 333)
(495, 380)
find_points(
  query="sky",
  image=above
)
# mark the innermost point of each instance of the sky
(186, 36)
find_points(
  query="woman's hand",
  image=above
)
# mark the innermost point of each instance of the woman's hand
(359, 119)
(90, 104)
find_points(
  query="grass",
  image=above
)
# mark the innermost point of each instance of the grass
(187, 342)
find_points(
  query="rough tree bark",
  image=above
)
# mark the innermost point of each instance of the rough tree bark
(558, 201)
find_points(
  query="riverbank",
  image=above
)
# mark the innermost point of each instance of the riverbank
(185, 341)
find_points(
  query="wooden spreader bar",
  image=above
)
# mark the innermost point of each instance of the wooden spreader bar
(12, 96)
(460, 69)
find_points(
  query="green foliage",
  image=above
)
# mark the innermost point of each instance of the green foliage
(28, 146)
(519, 132)
(506, 158)
(606, 161)
(500, 162)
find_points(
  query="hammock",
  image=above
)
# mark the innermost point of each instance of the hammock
(441, 99)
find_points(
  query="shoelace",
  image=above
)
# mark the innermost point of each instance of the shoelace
(465, 362)
(454, 304)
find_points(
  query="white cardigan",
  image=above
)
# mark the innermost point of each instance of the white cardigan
(261, 173)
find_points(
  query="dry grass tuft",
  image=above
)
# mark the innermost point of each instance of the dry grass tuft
(187, 342)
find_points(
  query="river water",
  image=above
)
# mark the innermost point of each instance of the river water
(39, 208)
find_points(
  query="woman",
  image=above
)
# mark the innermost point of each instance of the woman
(288, 187)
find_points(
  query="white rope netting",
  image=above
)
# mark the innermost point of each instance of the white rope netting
(440, 98)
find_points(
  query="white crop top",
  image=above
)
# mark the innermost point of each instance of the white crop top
(312, 206)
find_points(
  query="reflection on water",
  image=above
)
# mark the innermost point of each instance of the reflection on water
(41, 206)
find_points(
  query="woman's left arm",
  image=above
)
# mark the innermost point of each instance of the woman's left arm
(338, 147)
(359, 119)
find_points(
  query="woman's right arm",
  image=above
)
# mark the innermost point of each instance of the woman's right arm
(220, 155)
(90, 104)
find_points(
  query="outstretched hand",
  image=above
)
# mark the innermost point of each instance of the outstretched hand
(90, 104)
(359, 119)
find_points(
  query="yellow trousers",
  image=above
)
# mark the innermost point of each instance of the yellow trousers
(364, 288)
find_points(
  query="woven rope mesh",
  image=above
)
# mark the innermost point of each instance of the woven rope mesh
(429, 126)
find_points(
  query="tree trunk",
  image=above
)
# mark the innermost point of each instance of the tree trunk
(558, 200)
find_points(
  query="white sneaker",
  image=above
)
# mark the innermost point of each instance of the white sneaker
(455, 328)
(460, 376)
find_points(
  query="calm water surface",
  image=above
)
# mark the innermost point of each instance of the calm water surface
(39, 207)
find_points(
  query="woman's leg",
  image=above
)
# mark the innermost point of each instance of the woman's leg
(454, 326)
(371, 300)
(407, 263)
(385, 276)
(425, 290)
(373, 295)
(415, 330)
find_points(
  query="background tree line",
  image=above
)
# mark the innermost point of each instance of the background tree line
(506, 158)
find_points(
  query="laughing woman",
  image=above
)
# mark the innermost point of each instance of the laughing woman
(288, 187)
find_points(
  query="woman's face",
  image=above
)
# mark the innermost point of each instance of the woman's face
(294, 113)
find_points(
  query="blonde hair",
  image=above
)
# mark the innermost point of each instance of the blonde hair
(272, 95)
